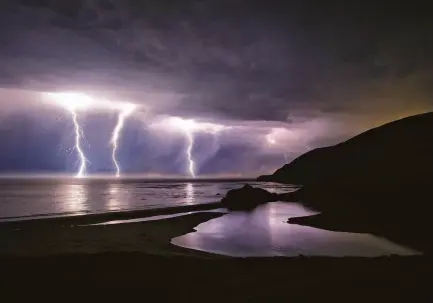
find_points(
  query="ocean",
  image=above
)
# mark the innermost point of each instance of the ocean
(42, 197)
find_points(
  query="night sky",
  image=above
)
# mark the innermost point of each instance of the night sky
(310, 73)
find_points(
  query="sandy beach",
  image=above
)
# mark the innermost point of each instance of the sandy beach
(42, 238)
(142, 252)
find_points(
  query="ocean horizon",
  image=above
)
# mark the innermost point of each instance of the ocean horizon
(30, 197)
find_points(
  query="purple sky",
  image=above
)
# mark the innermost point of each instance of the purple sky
(322, 71)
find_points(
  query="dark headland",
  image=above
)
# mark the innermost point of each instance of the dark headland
(379, 182)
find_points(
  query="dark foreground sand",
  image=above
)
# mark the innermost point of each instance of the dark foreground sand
(138, 259)
(151, 237)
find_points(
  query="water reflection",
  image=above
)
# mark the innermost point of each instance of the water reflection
(113, 201)
(73, 198)
(190, 193)
(272, 220)
(264, 232)
(119, 197)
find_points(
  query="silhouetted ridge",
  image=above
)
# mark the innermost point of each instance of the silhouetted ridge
(397, 152)
(380, 181)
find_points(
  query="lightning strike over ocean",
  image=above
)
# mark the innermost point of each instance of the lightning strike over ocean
(78, 133)
(191, 166)
(189, 127)
(73, 102)
(126, 110)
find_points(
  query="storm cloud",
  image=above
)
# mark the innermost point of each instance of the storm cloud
(257, 65)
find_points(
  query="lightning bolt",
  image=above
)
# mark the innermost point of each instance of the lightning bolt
(126, 111)
(188, 127)
(189, 152)
(72, 102)
(78, 134)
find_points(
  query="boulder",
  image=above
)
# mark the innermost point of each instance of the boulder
(247, 198)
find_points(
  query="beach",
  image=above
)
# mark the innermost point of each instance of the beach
(142, 252)
(135, 246)
(39, 238)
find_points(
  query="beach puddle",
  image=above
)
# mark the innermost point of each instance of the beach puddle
(264, 232)
(156, 218)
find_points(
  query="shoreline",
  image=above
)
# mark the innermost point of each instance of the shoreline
(95, 218)
(38, 254)
(147, 237)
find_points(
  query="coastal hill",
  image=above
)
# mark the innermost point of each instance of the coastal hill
(380, 181)
(395, 152)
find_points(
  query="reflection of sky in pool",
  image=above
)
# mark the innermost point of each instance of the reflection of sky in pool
(264, 232)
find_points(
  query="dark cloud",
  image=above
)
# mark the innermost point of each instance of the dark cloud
(352, 63)
(30, 146)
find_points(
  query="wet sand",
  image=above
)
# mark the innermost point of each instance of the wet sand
(96, 218)
(40, 238)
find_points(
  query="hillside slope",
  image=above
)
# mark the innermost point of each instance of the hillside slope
(380, 181)
(397, 152)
